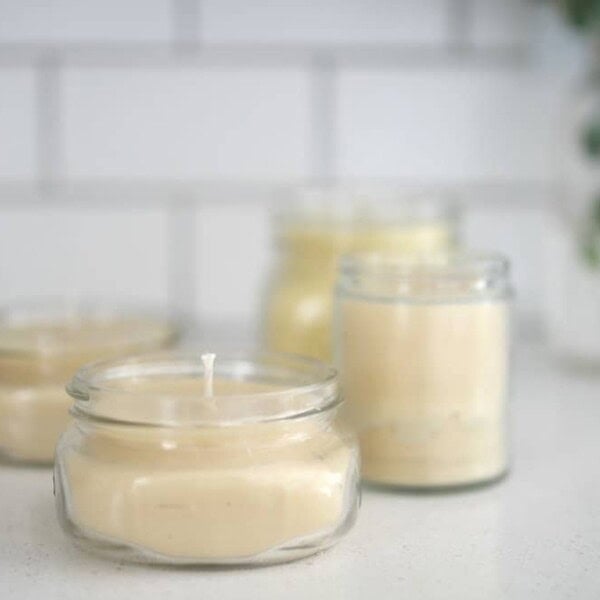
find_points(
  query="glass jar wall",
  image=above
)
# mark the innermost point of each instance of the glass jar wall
(316, 229)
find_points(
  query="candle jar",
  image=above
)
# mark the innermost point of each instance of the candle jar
(311, 236)
(157, 469)
(423, 348)
(41, 346)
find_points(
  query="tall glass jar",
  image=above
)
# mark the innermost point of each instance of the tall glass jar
(41, 345)
(423, 348)
(169, 463)
(316, 229)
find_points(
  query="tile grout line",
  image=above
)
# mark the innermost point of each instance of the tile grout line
(459, 25)
(186, 25)
(48, 132)
(323, 134)
(182, 213)
(197, 52)
(181, 258)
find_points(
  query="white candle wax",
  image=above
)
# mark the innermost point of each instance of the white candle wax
(227, 490)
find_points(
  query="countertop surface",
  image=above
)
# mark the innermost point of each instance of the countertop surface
(534, 535)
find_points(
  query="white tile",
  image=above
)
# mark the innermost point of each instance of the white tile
(105, 254)
(186, 123)
(17, 123)
(75, 21)
(325, 22)
(233, 261)
(445, 124)
(557, 48)
(500, 22)
(519, 233)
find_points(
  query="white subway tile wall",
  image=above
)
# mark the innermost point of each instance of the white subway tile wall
(83, 252)
(446, 124)
(325, 22)
(500, 23)
(186, 123)
(17, 124)
(233, 247)
(186, 93)
(72, 21)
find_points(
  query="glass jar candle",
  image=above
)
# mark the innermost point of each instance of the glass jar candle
(41, 347)
(320, 226)
(423, 348)
(175, 460)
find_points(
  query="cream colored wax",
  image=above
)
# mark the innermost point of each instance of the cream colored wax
(426, 384)
(36, 361)
(299, 309)
(207, 494)
(31, 420)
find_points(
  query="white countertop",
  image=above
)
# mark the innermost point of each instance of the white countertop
(534, 535)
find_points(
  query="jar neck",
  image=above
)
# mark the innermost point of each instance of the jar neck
(430, 280)
(171, 390)
(258, 434)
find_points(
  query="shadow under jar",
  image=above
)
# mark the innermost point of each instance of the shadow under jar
(162, 466)
(423, 348)
(322, 224)
(41, 346)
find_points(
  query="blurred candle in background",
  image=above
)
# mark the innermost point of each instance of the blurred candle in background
(41, 346)
(316, 229)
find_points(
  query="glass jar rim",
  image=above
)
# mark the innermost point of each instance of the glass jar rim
(60, 310)
(430, 276)
(305, 387)
(344, 205)
(440, 263)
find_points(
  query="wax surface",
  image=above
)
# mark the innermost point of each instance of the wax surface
(426, 386)
(300, 304)
(38, 359)
(208, 493)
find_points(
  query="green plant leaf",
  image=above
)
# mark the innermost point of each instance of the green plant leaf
(591, 139)
(590, 237)
(583, 14)
(590, 252)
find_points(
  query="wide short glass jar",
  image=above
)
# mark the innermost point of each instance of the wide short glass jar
(155, 469)
(312, 233)
(423, 348)
(42, 344)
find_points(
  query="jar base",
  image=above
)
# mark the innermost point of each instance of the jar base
(116, 551)
(425, 489)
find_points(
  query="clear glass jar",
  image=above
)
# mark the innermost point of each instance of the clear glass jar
(320, 226)
(41, 345)
(423, 348)
(156, 469)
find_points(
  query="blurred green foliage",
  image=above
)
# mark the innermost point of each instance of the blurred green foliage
(583, 14)
(591, 139)
(590, 240)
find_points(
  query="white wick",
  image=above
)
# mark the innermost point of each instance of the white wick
(208, 360)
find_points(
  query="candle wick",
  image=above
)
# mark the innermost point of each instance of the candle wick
(208, 360)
